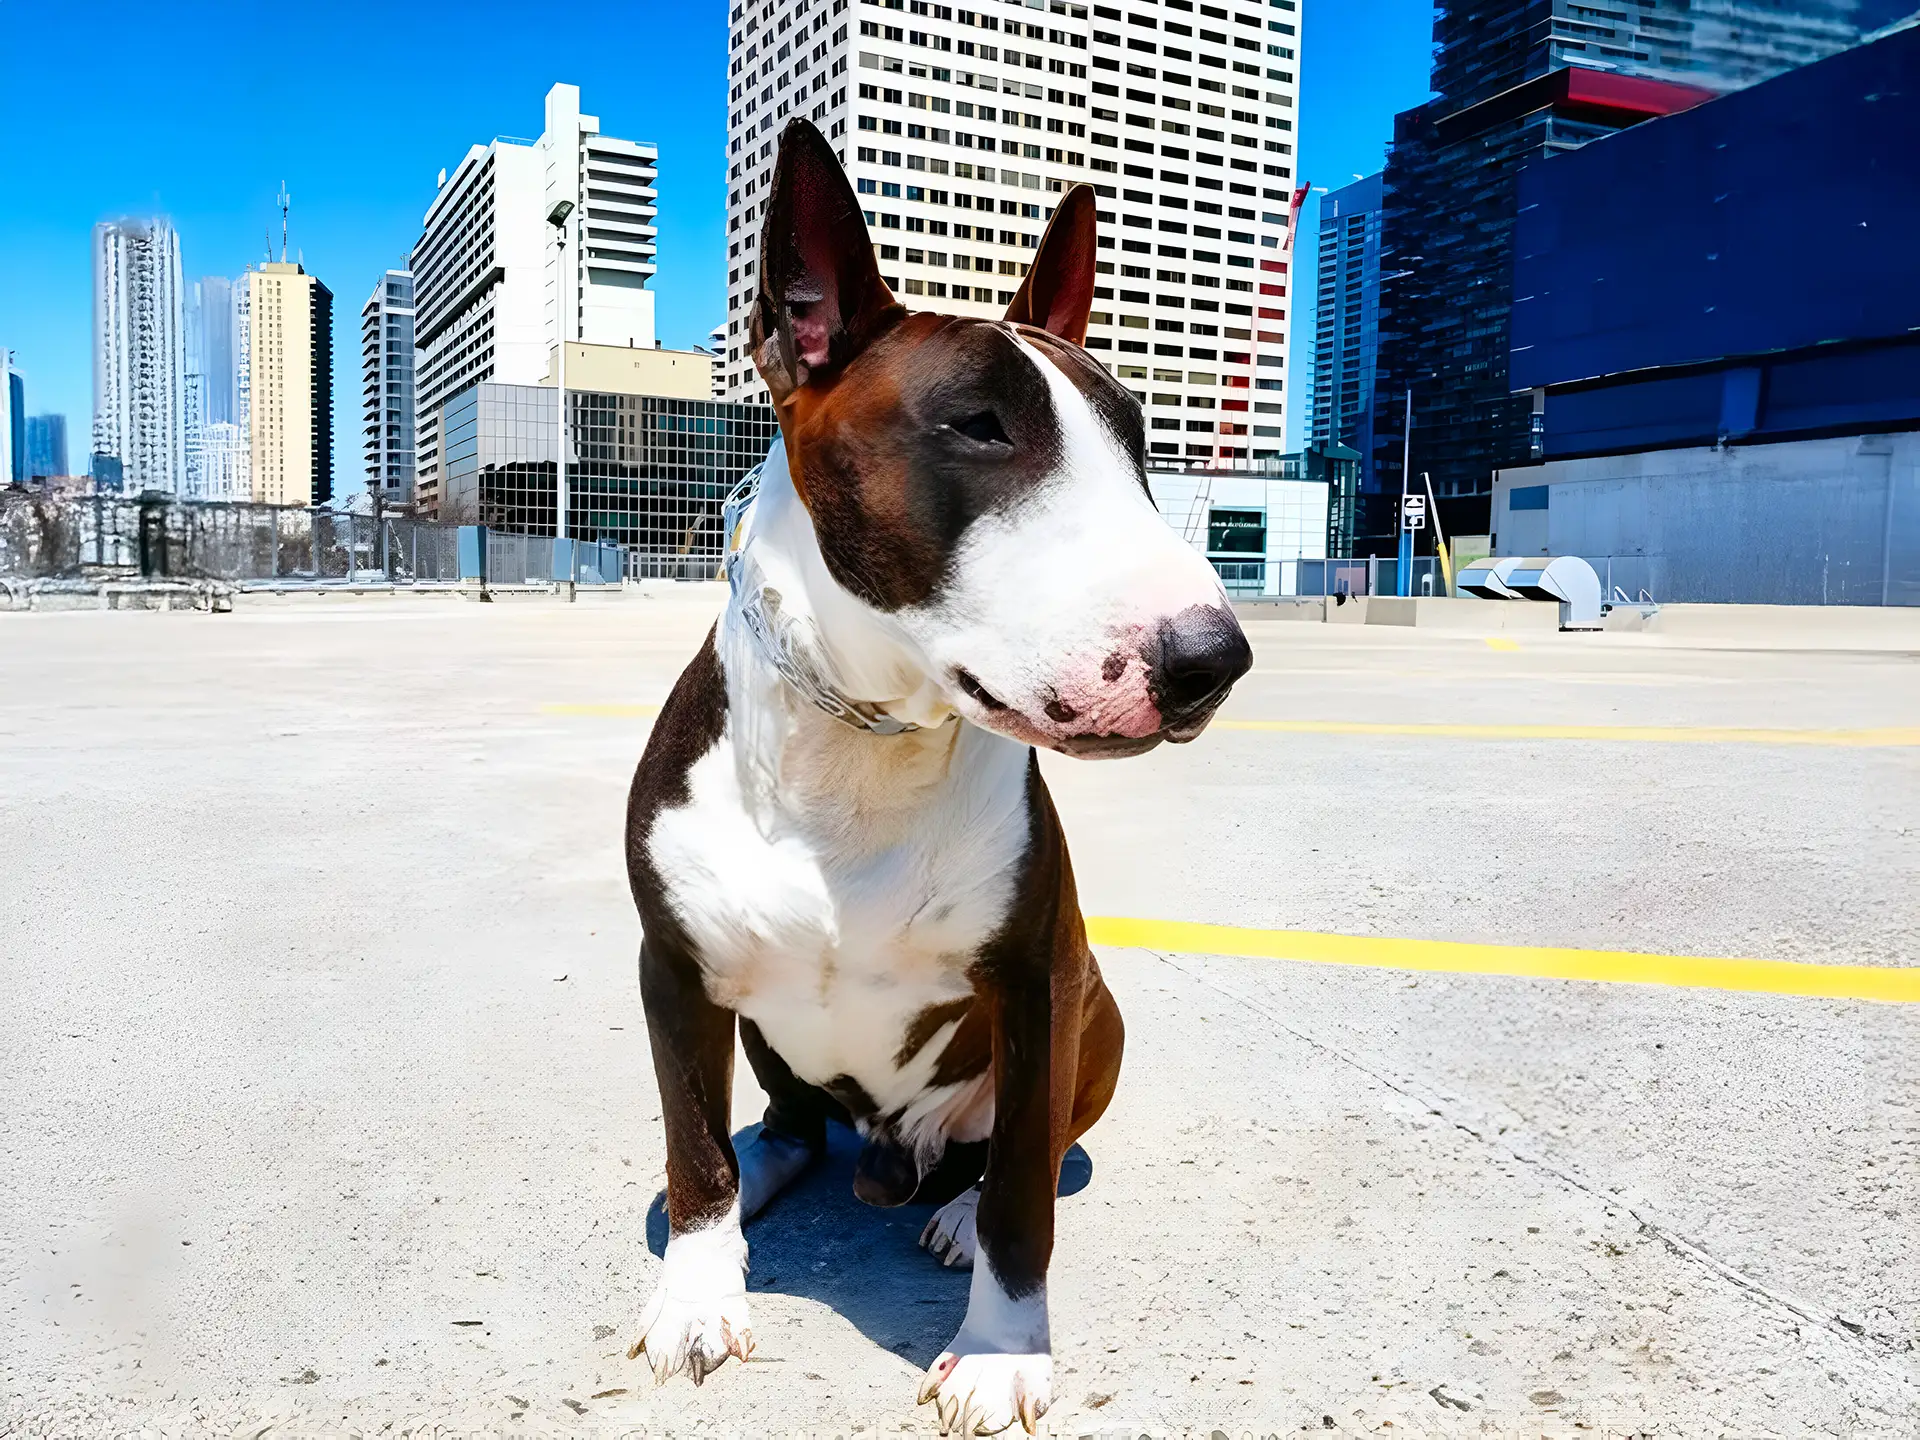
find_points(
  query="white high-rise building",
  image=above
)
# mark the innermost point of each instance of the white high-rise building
(717, 343)
(486, 269)
(960, 127)
(139, 353)
(386, 390)
(243, 375)
(226, 468)
(7, 475)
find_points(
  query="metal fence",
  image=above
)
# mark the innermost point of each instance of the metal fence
(542, 560)
(700, 562)
(1370, 575)
(67, 536)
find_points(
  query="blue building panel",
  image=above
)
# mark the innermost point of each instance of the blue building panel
(1772, 219)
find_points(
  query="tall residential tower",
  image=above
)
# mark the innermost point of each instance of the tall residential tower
(386, 395)
(960, 128)
(491, 300)
(291, 357)
(139, 354)
(13, 422)
(1346, 332)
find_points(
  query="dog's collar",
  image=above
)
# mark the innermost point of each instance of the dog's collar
(758, 604)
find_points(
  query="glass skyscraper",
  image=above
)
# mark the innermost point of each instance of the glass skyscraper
(1519, 81)
(46, 446)
(1346, 333)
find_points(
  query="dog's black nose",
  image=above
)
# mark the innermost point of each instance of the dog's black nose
(1202, 652)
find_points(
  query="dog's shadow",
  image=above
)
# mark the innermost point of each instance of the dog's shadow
(816, 1240)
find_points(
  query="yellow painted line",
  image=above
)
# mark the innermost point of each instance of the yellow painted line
(1886, 736)
(1497, 642)
(1758, 977)
(609, 712)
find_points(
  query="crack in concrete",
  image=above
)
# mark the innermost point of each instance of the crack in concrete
(1874, 1350)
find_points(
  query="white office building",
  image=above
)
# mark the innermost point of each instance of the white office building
(139, 354)
(7, 475)
(226, 466)
(486, 269)
(386, 397)
(961, 127)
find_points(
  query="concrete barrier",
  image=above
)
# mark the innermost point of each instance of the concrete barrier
(1787, 627)
(1463, 615)
(1430, 612)
(1309, 608)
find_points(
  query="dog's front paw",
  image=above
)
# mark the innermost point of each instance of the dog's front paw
(950, 1236)
(982, 1392)
(693, 1335)
(698, 1314)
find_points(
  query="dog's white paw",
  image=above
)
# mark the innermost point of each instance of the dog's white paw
(698, 1314)
(982, 1392)
(768, 1164)
(950, 1236)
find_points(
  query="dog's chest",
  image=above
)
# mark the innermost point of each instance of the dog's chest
(836, 931)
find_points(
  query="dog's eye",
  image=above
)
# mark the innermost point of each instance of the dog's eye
(984, 427)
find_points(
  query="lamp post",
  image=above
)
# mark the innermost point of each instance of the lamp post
(1403, 570)
(557, 217)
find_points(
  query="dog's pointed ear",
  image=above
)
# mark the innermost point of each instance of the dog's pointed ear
(821, 299)
(1058, 290)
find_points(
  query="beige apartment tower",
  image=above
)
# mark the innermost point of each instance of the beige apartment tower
(291, 370)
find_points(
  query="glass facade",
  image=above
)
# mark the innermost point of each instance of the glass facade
(1507, 97)
(46, 446)
(645, 471)
(1346, 336)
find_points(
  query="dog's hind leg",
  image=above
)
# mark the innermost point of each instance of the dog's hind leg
(794, 1132)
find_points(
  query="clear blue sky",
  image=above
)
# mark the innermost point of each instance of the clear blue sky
(200, 110)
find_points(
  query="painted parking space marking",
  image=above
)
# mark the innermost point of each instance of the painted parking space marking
(1896, 984)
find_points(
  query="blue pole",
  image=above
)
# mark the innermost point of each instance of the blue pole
(1402, 577)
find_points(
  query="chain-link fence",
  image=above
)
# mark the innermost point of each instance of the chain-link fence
(67, 537)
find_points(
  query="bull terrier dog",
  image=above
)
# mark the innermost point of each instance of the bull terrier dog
(839, 835)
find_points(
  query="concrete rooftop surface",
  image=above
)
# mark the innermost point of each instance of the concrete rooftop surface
(328, 1107)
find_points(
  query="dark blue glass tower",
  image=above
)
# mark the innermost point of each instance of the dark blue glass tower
(1519, 81)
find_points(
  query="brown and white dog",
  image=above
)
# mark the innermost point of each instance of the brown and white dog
(839, 833)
